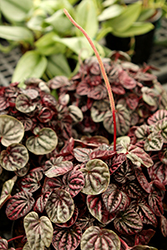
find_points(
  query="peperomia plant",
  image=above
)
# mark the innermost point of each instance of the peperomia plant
(71, 192)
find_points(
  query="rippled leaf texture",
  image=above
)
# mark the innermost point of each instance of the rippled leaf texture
(82, 154)
(45, 115)
(115, 199)
(70, 222)
(154, 142)
(56, 167)
(158, 172)
(26, 121)
(19, 205)
(98, 210)
(146, 214)
(4, 245)
(75, 113)
(52, 183)
(60, 206)
(142, 180)
(98, 110)
(149, 96)
(42, 143)
(14, 157)
(142, 132)
(66, 238)
(125, 171)
(128, 222)
(157, 116)
(24, 104)
(74, 181)
(155, 203)
(41, 202)
(95, 238)
(6, 190)
(138, 156)
(39, 231)
(134, 190)
(163, 225)
(122, 120)
(97, 177)
(11, 130)
(31, 182)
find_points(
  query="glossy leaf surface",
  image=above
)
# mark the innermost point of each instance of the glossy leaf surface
(66, 238)
(56, 167)
(19, 205)
(14, 158)
(96, 176)
(43, 143)
(60, 206)
(39, 231)
(94, 237)
(24, 104)
(11, 130)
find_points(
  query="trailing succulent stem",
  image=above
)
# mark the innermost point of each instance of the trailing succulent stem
(112, 103)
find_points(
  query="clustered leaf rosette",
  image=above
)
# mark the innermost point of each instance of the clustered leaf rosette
(87, 195)
(137, 95)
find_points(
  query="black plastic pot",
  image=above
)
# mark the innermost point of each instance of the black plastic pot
(143, 43)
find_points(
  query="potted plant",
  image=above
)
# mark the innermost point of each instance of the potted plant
(131, 25)
(83, 192)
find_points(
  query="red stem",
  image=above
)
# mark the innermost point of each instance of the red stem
(111, 99)
(15, 238)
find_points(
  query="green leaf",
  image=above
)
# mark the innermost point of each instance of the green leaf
(57, 65)
(31, 64)
(47, 46)
(16, 10)
(16, 33)
(110, 12)
(79, 45)
(86, 16)
(60, 22)
(126, 18)
(42, 143)
(136, 29)
(39, 231)
(35, 23)
(146, 14)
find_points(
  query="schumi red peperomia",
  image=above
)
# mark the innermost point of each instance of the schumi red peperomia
(64, 184)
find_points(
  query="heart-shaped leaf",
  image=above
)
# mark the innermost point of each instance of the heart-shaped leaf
(19, 205)
(56, 167)
(82, 154)
(31, 182)
(149, 96)
(146, 214)
(94, 237)
(138, 156)
(24, 104)
(97, 208)
(157, 116)
(128, 222)
(66, 238)
(98, 110)
(96, 176)
(6, 190)
(41, 202)
(60, 206)
(155, 203)
(154, 142)
(42, 143)
(74, 181)
(122, 119)
(39, 231)
(11, 130)
(75, 113)
(142, 132)
(70, 222)
(114, 199)
(14, 157)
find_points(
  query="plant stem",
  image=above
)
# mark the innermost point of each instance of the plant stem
(15, 238)
(111, 99)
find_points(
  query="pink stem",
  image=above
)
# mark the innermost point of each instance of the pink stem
(111, 99)
(15, 238)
